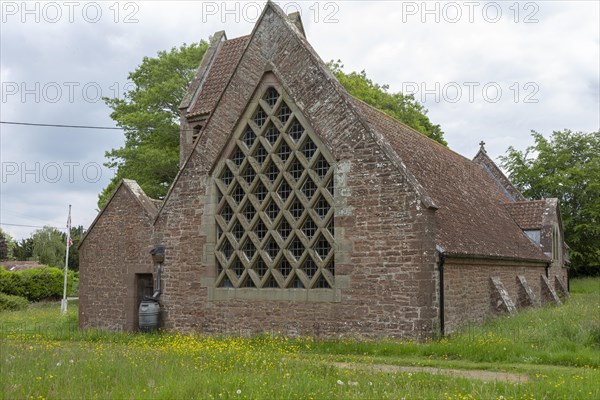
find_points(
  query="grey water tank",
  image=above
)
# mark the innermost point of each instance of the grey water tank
(149, 315)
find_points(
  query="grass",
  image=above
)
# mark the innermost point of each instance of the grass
(44, 356)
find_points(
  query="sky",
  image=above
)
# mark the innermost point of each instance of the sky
(490, 71)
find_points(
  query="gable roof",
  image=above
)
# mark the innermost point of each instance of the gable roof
(470, 213)
(150, 206)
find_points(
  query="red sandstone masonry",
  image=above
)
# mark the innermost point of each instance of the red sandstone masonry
(391, 267)
(112, 253)
(467, 288)
(385, 236)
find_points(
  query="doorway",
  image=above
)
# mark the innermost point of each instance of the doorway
(144, 288)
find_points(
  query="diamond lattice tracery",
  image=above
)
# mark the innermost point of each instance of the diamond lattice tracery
(275, 212)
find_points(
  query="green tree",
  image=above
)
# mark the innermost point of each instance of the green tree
(7, 245)
(149, 115)
(49, 246)
(76, 234)
(565, 166)
(23, 250)
(3, 247)
(402, 107)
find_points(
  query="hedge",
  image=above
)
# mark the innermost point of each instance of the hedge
(36, 284)
(12, 303)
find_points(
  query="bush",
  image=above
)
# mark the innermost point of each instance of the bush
(36, 284)
(12, 303)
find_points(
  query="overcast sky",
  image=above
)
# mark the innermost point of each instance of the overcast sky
(488, 71)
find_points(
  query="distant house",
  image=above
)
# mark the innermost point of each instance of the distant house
(301, 209)
(21, 265)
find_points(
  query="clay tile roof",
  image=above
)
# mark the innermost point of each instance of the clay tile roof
(471, 216)
(219, 74)
(527, 214)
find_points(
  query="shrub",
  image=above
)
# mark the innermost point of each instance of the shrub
(12, 303)
(36, 284)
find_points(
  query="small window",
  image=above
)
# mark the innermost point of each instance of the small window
(196, 132)
(555, 244)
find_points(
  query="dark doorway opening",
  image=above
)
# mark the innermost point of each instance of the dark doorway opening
(144, 288)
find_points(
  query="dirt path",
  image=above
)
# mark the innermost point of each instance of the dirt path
(461, 373)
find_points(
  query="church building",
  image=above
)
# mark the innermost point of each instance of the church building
(302, 210)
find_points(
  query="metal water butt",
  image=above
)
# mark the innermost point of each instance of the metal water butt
(149, 315)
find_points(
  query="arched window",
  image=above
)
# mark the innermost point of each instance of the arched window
(274, 218)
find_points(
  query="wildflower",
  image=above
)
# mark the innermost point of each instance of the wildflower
(71, 361)
(58, 364)
(370, 383)
(339, 382)
(239, 391)
(352, 383)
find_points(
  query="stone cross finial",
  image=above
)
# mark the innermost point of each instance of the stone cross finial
(482, 146)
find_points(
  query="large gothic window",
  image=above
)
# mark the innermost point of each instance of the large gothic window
(275, 202)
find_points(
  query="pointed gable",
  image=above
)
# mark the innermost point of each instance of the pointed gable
(471, 219)
(277, 44)
(496, 174)
(128, 188)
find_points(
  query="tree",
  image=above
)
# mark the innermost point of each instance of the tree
(565, 166)
(76, 234)
(3, 247)
(7, 245)
(23, 250)
(49, 246)
(402, 107)
(149, 115)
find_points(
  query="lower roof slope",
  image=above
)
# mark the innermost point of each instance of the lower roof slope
(471, 217)
(527, 214)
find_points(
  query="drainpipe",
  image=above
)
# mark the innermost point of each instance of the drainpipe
(440, 263)
(158, 256)
(546, 268)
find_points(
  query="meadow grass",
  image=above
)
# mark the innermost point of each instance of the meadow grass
(44, 356)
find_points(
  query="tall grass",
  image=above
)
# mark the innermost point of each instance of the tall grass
(44, 356)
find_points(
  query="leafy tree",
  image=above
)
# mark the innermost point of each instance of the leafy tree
(565, 166)
(49, 246)
(3, 247)
(400, 106)
(23, 250)
(76, 234)
(149, 115)
(7, 245)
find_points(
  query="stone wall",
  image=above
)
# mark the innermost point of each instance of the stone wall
(385, 261)
(468, 294)
(111, 254)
